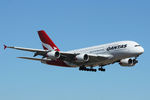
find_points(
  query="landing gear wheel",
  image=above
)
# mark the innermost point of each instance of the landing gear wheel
(94, 70)
(82, 68)
(102, 69)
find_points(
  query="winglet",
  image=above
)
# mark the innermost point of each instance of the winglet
(5, 46)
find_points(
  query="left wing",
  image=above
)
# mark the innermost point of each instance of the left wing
(25, 49)
(64, 56)
(36, 51)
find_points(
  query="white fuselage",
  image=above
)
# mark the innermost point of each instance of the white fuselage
(101, 55)
(118, 50)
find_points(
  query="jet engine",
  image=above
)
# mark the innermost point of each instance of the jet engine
(53, 55)
(82, 58)
(128, 62)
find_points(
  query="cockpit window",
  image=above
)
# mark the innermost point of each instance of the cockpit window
(137, 45)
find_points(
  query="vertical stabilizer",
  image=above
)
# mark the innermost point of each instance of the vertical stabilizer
(47, 43)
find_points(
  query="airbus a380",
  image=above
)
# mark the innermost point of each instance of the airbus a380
(123, 52)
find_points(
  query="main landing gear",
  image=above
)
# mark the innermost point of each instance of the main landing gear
(83, 68)
(101, 69)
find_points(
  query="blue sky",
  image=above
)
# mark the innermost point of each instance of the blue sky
(72, 24)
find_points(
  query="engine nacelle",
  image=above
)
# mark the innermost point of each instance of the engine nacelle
(82, 58)
(53, 55)
(128, 62)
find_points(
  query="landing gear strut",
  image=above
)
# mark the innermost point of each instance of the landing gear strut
(83, 68)
(101, 69)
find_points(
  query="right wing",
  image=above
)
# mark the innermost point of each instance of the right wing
(68, 56)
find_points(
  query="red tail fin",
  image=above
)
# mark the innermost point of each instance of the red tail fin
(47, 43)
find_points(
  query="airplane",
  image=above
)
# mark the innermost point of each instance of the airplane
(123, 52)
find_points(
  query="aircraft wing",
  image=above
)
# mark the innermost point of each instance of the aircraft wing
(99, 57)
(36, 51)
(25, 49)
(36, 59)
(65, 56)
(93, 57)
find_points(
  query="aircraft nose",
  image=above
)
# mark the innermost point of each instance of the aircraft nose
(141, 50)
